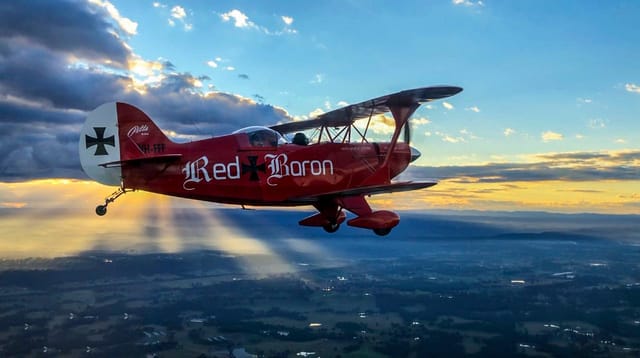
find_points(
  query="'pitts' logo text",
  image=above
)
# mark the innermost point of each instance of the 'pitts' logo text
(138, 129)
(279, 167)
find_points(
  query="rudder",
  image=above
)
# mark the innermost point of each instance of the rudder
(139, 136)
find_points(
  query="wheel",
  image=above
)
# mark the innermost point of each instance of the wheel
(331, 228)
(382, 232)
(101, 210)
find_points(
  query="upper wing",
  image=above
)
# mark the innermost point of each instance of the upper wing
(347, 115)
(370, 190)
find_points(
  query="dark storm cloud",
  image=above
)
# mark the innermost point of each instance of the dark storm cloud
(573, 156)
(25, 116)
(37, 74)
(41, 141)
(61, 59)
(586, 166)
(38, 142)
(175, 106)
(62, 26)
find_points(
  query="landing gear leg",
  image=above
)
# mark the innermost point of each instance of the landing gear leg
(101, 210)
(334, 221)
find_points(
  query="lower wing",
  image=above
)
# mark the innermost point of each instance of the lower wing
(370, 190)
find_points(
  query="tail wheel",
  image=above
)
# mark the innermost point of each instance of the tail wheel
(382, 232)
(101, 210)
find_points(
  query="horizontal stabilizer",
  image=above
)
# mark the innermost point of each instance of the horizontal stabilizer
(157, 159)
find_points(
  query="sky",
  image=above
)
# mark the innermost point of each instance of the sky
(548, 119)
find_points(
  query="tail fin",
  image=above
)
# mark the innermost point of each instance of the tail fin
(117, 132)
(139, 136)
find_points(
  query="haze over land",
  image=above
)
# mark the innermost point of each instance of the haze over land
(484, 285)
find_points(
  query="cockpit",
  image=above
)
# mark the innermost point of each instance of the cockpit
(262, 136)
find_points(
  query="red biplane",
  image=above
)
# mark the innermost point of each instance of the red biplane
(332, 169)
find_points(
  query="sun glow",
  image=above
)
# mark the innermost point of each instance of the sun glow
(606, 196)
(55, 217)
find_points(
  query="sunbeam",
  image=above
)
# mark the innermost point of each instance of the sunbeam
(255, 255)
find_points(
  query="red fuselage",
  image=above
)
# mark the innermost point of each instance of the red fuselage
(229, 169)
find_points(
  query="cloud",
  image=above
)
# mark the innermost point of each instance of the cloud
(596, 123)
(177, 12)
(230, 68)
(84, 30)
(212, 64)
(316, 112)
(448, 138)
(508, 132)
(632, 87)
(549, 136)
(287, 20)
(473, 109)
(126, 24)
(621, 141)
(451, 139)
(287, 28)
(317, 79)
(465, 136)
(68, 61)
(241, 20)
(447, 105)
(469, 3)
(571, 166)
(243, 76)
(420, 121)
(468, 134)
(58, 85)
(380, 125)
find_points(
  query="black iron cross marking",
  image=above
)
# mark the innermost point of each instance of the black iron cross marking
(253, 167)
(99, 141)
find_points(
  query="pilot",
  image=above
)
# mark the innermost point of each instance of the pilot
(300, 139)
(262, 139)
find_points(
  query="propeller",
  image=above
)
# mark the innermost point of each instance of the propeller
(407, 132)
(415, 154)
